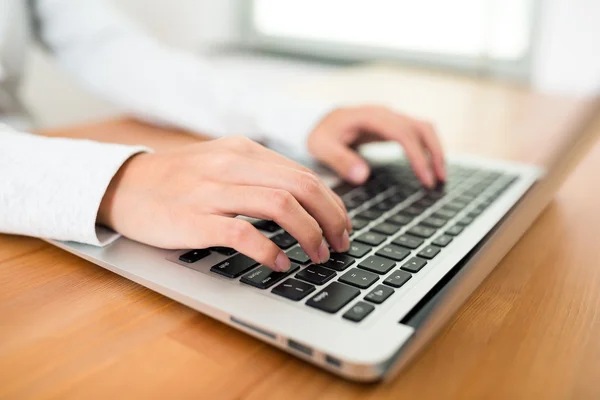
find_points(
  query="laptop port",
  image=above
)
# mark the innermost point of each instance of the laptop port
(253, 328)
(332, 361)
(307, 351)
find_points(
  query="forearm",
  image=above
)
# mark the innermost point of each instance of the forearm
(117, 60)
(53, 187)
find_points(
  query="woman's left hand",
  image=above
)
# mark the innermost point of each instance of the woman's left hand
(335, 137)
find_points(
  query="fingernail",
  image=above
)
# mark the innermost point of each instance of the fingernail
(345, 242)
(349, 223)
(282, 262)
(358, 173)
(323, 252)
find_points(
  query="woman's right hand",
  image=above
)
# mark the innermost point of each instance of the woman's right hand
(186, 199)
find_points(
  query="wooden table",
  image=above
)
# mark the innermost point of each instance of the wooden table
(70, 329)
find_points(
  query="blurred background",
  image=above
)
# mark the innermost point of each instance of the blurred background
(552, 45)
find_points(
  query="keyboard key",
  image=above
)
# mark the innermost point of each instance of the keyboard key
(316, 274)
(360, 195)
(379, 294)
(335, 296)
(267, 226)
(408, 241)
(194, 255)
(234, 266)
(392, 252)
(358, 224)
(397, 279)
(465, 198)
(264, 277)
(442, 240)
(398, 198)
(386, 228)
(338, 261)
(377, 264)
(227, 251)
(486, 203)
(429, 252)
(371, 238)
(425, 202)
(413, 210)
(479, 209)
(370, 214)
(385, 205)
(359, 278)
(358, 312)
(358, 250)
(455, 230)
(434, 222)
(455, 205)
(436, 193)
(399, 219)
(298, 255)
(465, 221)
(352, 203)
(422, 231)
(445, 213)
(414, 265)
(284, 240)
(476, 212)
(293, 289)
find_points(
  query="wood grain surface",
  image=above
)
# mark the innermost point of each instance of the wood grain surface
(70, 329)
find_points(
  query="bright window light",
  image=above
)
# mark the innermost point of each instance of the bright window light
(498, 29)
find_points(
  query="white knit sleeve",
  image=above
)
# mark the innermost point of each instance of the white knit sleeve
(52, 187)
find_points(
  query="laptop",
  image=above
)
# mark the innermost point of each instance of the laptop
(415, 257)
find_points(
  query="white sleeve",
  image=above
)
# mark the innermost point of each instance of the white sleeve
(52, 187)
(114, 58)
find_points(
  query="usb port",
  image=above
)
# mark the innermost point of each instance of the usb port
(334, 362)
(300, 348)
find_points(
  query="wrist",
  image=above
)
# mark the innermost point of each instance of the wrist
(106, 210)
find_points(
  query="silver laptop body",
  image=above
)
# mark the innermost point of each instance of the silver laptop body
(397, 328)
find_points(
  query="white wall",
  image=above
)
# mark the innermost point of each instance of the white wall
(568, 56)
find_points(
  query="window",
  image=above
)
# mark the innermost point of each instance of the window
(475, 34)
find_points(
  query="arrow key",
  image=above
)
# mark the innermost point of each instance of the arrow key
(379, 294)
(358, 312)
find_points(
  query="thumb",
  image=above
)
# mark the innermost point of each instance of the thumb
(346, 162)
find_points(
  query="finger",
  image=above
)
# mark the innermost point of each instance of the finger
(394, 127)
(341, 204)
(366, 138)
(274, 205)
(246, 147)
(432, 142)
(307, 188)
(344, 161)
(240, 235)
(418, 159)
(267, 154)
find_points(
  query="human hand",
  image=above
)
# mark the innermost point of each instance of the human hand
(332, 141)
(186, 198)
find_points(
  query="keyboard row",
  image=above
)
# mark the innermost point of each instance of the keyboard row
(392, 263)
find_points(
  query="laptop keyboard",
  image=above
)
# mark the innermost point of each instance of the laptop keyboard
(398, 228)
